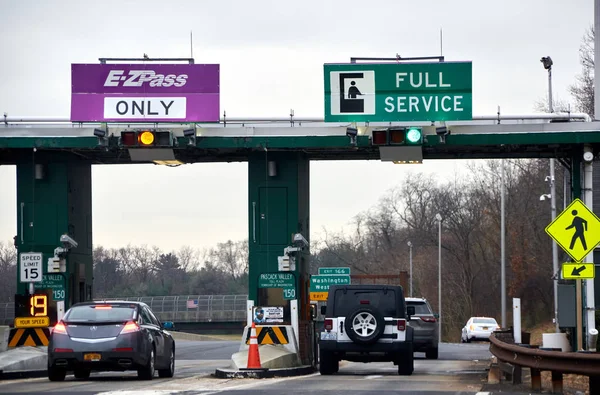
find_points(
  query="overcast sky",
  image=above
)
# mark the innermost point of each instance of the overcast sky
(271, 56)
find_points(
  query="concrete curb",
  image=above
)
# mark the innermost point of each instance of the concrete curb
(22, 374)
(264, 374)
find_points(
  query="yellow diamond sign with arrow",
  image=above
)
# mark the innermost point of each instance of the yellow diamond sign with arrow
(576, 230)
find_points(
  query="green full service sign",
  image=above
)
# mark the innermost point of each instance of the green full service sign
(396, 92)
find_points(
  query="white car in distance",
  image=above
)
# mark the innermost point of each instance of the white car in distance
(478, 328)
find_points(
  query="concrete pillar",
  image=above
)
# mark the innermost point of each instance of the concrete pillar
(54, 197)
(278, 207)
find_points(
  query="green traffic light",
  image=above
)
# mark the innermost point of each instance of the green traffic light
(414, 135)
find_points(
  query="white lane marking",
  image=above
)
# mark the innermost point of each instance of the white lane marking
(261, 383)
(376, 376)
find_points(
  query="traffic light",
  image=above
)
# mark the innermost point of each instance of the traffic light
(146, 138)
(398, 136)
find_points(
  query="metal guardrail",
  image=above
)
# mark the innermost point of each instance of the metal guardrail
(181, 308)
(556, 362)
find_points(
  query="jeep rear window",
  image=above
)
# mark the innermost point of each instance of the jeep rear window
(420, 307)
(346, 303)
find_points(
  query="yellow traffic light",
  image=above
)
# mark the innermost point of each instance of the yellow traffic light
(146, 137)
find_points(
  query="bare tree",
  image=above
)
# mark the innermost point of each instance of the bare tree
(8, 271)
(583, 89)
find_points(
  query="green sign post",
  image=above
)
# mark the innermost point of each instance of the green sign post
(321, 283)
(396, 92)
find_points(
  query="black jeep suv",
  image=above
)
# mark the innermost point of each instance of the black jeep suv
(366, 323)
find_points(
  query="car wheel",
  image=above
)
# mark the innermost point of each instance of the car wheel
(364, 325)
(431, 353)
(170, 371)
(147, 372)
(328, 363)
(56, 374)
(82, 373)
(406, 363)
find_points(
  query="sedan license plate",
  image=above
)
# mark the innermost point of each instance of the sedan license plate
(328, 335)
(91, 357)
(485, 328)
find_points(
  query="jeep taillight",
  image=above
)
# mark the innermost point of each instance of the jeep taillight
(328, 324)
(402, 325)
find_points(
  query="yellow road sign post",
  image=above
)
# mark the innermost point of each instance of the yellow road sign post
(578, 271)
(576, 230)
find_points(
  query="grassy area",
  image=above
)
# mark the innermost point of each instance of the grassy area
(538, 330)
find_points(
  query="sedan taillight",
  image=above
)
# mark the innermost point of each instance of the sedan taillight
(402, 325)
(130, 327)
(328, 324)
(60, 328)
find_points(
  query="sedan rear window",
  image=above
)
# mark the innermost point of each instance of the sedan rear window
(484, 321)
(100, 313)
(420, 307)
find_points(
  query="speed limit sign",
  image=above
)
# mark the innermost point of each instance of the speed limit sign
(31, 267)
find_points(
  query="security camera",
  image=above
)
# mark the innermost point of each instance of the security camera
(99, 133)
(68, 242)
(300, 241)
(189, 132)
(547, 62)
(442, 131)
(352, 132)
(545, 196)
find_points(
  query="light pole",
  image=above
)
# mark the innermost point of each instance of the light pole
(502, 248)
(438, 217)
(502, 242)
(547, 62)
(410, 266)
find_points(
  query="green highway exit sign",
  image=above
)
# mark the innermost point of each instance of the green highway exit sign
(321, 283)
(396, 92)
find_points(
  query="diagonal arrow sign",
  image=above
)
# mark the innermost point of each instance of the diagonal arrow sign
(577, 270)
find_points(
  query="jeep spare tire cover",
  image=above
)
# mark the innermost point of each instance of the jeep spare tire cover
(364, 325)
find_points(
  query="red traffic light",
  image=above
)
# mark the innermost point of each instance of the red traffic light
(380, 137)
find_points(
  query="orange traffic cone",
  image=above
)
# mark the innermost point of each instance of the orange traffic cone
(253, 356)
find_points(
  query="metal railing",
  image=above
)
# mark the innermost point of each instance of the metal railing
(181, 308)
(556, 362)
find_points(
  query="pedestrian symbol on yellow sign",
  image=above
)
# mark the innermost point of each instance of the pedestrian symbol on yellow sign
(580, 226)
(576, 230)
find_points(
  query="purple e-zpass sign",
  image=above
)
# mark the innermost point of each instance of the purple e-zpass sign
(145, 92)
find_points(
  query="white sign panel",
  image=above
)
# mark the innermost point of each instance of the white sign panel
(268, 315)
(31, 267)
(145, 107)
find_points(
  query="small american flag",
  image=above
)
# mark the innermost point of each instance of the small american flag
(192, 304)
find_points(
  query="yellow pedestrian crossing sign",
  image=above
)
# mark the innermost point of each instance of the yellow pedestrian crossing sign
(576, 230)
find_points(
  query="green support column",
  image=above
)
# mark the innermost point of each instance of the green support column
(54, 197)
(278, 207)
